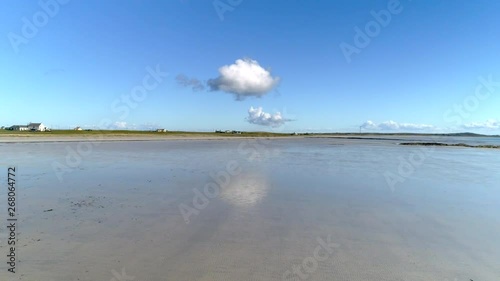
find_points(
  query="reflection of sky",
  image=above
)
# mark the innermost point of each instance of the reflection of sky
(245, 190)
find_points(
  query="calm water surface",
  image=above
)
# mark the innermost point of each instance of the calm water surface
(257, 210)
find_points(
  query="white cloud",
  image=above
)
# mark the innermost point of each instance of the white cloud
(193, 83)
(147, 127)
(122, 125)
(119, 125)
(489, 124)
(389, 125)
(395, 126)
(259, 117)
(244, 78)
(368, 125)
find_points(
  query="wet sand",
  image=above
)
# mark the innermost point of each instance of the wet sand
(118, 209)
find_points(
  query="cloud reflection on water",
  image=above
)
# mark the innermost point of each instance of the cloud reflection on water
(246, 190)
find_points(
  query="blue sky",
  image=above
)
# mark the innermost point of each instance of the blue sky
(259, 65)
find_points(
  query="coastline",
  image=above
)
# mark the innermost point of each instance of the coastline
(118, 136)
(90, 138)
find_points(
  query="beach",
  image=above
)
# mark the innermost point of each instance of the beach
(235, 208)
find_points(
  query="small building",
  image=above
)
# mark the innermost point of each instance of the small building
(18, 128)
(36, 127)
(78, 129)
(161, 130)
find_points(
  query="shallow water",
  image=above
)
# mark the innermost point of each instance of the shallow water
(391, 212)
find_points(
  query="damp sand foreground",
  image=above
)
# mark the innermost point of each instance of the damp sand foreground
(252, 209)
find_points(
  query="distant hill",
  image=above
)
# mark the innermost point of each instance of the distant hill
(466, 134)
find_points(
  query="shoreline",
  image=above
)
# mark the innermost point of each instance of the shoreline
(117, 137)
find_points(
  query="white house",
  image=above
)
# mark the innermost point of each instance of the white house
(78, 129)
(18, 128)
(37, 127)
